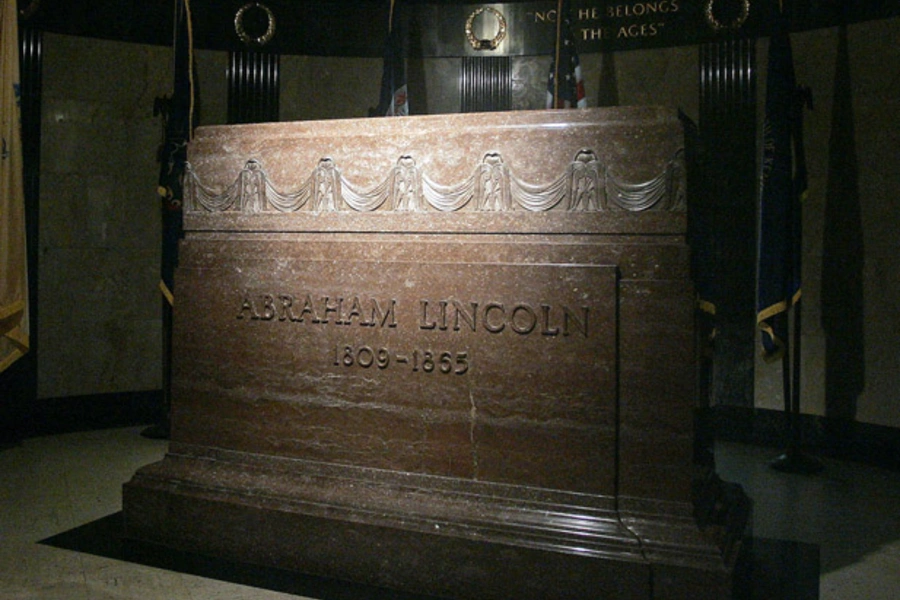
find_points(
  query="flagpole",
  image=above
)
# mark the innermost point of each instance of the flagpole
(794, 460)
(795, 374)
(391, 18)
(784, 184)
(559, 18)
(178, 118)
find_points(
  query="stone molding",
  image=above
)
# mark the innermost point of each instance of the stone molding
(586, 185)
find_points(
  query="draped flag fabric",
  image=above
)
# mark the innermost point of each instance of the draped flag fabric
(565, 86)
(783, 189)
(14, 340)
(173, 154)
(393, 101)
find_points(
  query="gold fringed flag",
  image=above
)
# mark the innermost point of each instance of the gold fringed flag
(783, 188)
(13, 277)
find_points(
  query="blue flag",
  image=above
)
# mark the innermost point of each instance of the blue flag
(393, 101)
(783, 188)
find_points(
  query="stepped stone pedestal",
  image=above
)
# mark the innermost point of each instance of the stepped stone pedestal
(449, 354)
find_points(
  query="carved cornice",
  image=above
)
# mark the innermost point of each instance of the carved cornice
(586, 185)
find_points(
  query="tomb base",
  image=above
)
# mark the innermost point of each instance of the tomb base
(449, 355)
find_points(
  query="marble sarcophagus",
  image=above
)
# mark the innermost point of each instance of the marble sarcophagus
(449, 354)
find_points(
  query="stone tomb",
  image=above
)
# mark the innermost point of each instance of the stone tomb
(451, 354)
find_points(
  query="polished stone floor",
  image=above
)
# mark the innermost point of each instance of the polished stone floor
(834, 536)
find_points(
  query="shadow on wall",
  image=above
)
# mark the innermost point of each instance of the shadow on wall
(843, 260)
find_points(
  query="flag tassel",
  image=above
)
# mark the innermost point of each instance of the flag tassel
(794, 460)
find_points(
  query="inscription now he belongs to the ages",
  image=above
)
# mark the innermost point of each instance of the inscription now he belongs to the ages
(493, 317)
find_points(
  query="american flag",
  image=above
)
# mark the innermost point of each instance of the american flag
(565, 86)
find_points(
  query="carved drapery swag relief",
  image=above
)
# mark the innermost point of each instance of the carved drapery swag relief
(586, 185)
